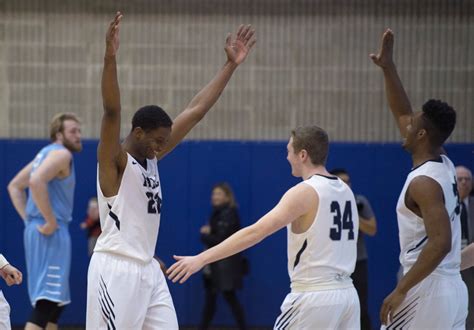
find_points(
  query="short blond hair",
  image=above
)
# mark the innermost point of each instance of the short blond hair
(57, 123)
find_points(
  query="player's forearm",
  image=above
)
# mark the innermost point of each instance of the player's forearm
(110, 86)
(208, 96)
(18, 198)
(236, 243)
(40, 195)
(395, 92)
(467, 257)
(430, 257)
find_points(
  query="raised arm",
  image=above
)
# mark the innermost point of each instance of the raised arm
(297, 202)
(17, 189)
(396, 95)
(237, 50)
(112, 159)
(57, 162)
(428, 196)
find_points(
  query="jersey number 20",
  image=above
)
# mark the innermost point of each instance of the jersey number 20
(340, 223)
(154, 203)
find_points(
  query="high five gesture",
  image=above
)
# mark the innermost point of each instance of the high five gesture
(237, 49)
(112, 36)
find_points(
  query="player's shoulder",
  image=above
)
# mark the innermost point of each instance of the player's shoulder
(60, 155)
(301, 193)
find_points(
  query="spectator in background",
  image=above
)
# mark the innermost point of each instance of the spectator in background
(92, 224)
(367, 226)
(11, 275)
(464, 184)
(223, 276)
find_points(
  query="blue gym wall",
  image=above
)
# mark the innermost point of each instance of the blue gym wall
(259, 174)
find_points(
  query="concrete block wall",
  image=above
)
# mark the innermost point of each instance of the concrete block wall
(310, 64)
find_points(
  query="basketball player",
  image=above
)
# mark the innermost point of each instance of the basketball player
(11, 275)
(47, 212)
(431, 294)
(126, 288)
(320, 214)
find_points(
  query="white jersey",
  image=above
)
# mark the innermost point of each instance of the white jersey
(324, 256)
(130, 220)
(411, 227)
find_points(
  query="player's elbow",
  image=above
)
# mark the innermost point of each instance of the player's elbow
(12, 187)
(443, 245)
(196, 113)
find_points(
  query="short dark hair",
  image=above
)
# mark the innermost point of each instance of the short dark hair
(339, 171)
(151, 117)
(314, 140)
(440, 119)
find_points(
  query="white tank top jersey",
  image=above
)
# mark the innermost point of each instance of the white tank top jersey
(411, 227)
(324, 256)
(130, 220)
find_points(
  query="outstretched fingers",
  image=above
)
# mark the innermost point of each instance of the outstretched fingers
(114, 25)
(384, 56)
(240, 30)
(175, 268)
(387, 40)
(250, 39)
(228, 40)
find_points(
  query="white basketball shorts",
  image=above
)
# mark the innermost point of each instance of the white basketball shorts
(4, 313)
(125, 294)
(325, 309)
(437, 302)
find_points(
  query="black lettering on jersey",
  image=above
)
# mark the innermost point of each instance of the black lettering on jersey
(150, 182)
(154, 203)
(455, 191)
(336, 232)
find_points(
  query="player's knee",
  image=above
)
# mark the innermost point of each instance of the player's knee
(46, 312)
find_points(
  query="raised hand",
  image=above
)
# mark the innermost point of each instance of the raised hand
(11, 275)
(183, 268)
(385, 56)
(112, 36)
(238, 49)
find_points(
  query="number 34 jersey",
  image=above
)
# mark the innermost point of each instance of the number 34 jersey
(324, 256)
(130, 220)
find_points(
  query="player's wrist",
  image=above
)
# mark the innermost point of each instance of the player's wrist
(3, 262)
(389, 66)
(109, 57)
(231, 64)
(402, 288)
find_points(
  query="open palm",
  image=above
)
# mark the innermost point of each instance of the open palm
(112, 36)
(385, 56)
(238, 49)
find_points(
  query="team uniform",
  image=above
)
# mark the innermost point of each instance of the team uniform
(320, 262)
(126, 287)
(440, 300)
(4, 306)
(48, 258)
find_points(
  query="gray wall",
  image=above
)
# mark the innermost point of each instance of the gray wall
(310, 64)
